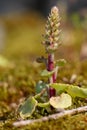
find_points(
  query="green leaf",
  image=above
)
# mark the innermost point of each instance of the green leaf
(60, 62)
(46, 73)
(41, 60)
(40, 86)
(62, 101)
(28, 107)
(72, 90)
(59, 87)
(75, 91)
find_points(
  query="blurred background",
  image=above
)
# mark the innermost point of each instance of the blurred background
(22, 23)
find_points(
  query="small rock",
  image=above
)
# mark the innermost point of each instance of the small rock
(65, 80)
(73, 78)
(13, 105)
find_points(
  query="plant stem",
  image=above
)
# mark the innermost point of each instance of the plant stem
(50, 67)
(44, 104)
(52, 79)
(51, 43)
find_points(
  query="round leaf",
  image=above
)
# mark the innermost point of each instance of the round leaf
(62, 101)
(28, 107)
(59, 87)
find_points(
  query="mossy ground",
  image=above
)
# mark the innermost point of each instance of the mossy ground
(22, 48)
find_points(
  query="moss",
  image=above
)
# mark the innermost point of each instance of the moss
(75, 122)
(21, 82)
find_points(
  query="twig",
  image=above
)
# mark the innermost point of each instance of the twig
(50, 117)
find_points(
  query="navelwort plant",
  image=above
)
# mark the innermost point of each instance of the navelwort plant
(51, 94)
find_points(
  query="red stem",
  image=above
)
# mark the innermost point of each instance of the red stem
(52, 79)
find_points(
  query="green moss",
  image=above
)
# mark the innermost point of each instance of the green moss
(21, 82)
(75, 122)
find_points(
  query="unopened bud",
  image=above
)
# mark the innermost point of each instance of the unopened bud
(54, 10)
